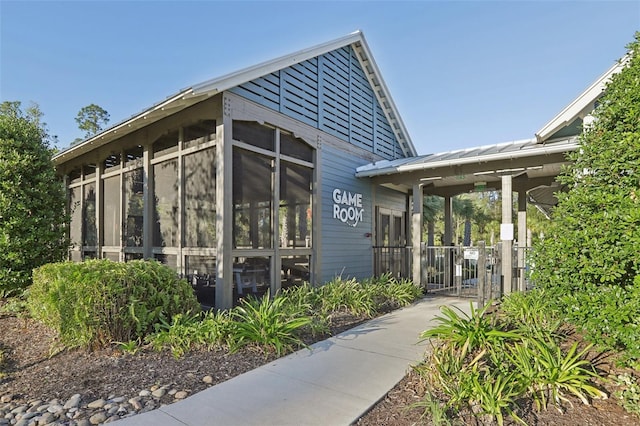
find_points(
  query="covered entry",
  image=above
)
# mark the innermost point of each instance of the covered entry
(526, 169)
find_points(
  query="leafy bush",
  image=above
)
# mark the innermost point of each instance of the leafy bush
(32, 200)
(531, 313)
(589, 257)
(99, 301)
(629, 392)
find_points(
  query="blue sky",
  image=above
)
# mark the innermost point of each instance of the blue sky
(462, 74)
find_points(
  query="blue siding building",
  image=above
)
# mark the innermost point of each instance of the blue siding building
(246, 183)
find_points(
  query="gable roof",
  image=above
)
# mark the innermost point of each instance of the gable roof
(199, 92)
(582, 105)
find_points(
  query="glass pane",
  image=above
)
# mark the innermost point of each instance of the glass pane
(90, 255)
(75, 230)
(398, 231)
(383, 230)
(90, 232)
(165, 144)
(295, 147)
(199, 133)
(295, 270)
(111, 211)
(252, 196)
(251, 275)
(295, 205)
(254, 134)
(200, 199)
(165, 180)
(133, 208)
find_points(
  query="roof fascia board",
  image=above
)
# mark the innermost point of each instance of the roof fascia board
(575, 108)
(549, 149)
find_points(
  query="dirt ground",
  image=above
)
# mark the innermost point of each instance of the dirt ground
(35, 372)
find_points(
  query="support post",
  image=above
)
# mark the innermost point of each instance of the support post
(416, 233)
(506, 233)
(522, 239)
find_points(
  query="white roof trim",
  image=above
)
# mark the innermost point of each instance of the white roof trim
(585, 101)
(220, 84)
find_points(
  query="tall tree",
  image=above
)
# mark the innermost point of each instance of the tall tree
(33, 221)
(92, 119)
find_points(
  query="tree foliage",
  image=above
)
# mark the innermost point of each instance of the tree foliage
(590, 253)
(32, 199)
(92, 119)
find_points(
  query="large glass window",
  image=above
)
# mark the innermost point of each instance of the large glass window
(90, 231)
(133, 207)
(165, 179)
(252, 200)
(111, 211)
(295, 205)
(200, 199)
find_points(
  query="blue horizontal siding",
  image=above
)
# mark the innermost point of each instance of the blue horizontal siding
(346, 251)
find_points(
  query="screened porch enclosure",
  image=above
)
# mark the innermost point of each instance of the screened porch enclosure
(155, 195)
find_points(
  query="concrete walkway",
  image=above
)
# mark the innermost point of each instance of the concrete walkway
(334, 383)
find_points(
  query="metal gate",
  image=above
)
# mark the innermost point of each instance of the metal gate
(472, 272)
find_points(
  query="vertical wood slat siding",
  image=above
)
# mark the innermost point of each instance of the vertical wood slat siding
(346, 251)
(330, 92)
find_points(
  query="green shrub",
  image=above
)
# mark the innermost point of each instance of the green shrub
(97, 302)
(589, 257)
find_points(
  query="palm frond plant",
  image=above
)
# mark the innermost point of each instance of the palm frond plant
(468, 333)
(266, 323)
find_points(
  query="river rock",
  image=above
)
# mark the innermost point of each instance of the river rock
(159, 393)
(56, 408)
(98, 403)
(72, 402)
(180, 395)
(98, 418)
(6, 398)
(46, 418)
(207, 379)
